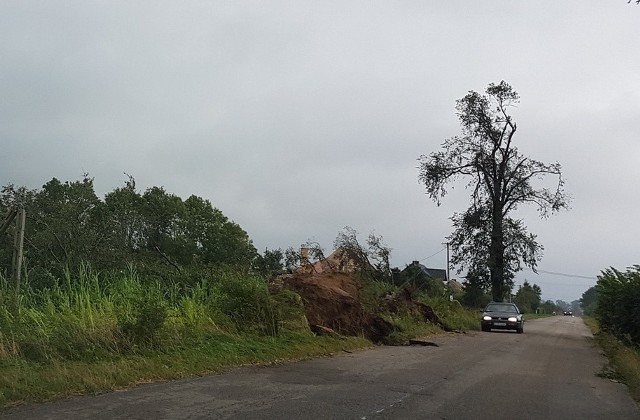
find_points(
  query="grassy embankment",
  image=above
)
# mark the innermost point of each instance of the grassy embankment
(624, 360)
(92, 333)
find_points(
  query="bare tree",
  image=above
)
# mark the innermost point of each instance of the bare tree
(500, 179)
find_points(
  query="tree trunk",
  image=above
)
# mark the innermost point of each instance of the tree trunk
(496, 256)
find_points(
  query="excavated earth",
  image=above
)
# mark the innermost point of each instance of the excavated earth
(332, 304)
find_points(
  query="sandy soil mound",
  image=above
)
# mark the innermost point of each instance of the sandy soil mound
(331, 300)
(330, 293)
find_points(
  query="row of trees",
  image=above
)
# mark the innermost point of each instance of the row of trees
(615, 302)
(528, 297)
(166, 237)
(157, 231)
(162, 235)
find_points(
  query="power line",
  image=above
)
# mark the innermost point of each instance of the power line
(433, 255)
(555, 273)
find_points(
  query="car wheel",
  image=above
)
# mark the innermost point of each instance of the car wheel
(520, 330)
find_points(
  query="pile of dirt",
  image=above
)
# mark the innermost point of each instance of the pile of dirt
(331, 301)
(330, 293)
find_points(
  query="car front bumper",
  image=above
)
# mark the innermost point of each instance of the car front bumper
(500, 325)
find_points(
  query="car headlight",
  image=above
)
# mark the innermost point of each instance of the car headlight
(486, 318)
(513, 319)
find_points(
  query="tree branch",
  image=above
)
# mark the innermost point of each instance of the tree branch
(176, 266)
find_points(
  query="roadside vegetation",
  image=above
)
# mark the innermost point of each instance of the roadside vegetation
(141, 287)
(624, 360)
(92, 332)
(612, 307)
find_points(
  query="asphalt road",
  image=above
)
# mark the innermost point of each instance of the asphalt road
(549, 372)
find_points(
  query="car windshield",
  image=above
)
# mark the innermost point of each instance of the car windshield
(501, 307)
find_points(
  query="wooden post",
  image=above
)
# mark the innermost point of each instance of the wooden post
(18, 249)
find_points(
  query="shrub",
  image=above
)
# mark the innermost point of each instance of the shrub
(246, 301)
(144, 326)
(618, 309)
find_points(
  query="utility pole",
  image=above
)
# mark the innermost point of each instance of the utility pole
(18, 249)
(447, 244)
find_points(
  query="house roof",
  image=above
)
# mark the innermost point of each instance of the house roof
(433, 273)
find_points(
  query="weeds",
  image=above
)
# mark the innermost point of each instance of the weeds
(453, 313)
(86, 316)
(624, 360)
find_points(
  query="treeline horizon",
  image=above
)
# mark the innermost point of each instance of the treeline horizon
(161, 234)
(166, 238)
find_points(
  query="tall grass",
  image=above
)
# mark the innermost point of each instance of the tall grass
(92, 331)
(452, 313)
(624, 359)
(86, 315)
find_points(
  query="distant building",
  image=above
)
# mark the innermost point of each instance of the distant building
(429, 273)
(433, 280)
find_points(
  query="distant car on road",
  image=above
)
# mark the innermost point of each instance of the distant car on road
(502, 316)
(568, 313)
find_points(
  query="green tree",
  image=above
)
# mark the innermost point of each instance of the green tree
(11, 198)
(63, 225)
(528, 297)
(214, 238)
(549, 307)
(272, 261)
(125, 224)
(485, 237)
(471, 240)
(589, 301)
(475, 291)
(618, 309)
(575, 307)
(565, 306)
(162, 214)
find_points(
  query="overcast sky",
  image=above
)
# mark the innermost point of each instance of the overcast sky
(299, 118)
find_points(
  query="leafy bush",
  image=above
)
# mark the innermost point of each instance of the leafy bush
(145, 324)
(618, 309)
(246, 301)
(373, 292)
(589, 301)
